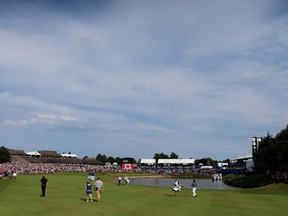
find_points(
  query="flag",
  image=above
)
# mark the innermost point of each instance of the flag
(127, 166)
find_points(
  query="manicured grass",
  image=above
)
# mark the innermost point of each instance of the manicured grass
(66, 196)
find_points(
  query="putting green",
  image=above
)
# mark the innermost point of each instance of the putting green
(65, 195)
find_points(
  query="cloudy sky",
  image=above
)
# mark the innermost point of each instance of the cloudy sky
(139, 77)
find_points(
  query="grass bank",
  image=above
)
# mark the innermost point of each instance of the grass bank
(247, 181)
(66, 196)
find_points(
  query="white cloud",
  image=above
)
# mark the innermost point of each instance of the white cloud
(135, 72)
(43, 121)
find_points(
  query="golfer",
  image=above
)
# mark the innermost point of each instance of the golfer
(177, 187)
(99, 186)
(194, 188)
(44, 183)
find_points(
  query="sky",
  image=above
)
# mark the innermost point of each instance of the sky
(132, 78)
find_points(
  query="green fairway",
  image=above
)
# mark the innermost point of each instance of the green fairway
(65, 195)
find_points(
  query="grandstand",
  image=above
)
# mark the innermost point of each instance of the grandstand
(240, 158)
(49, 156)
(167, 161)
(167, 164)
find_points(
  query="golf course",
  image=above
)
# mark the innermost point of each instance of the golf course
(65, 195)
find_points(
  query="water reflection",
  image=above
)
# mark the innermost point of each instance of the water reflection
(164, 182)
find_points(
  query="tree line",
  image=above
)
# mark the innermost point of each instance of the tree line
(208, 161)
(5, 156)
(271, 154)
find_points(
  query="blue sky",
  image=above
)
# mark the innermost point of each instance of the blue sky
(134, 78)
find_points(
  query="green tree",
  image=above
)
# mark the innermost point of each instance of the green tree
(174, 156)
(265, 155)
(85, 157)
(282, 142)
(118, 160)
(206, 162)
(5, 155)
(160, 156)
(227, 161)
(101, 158)
(272, 152)
(111, 159)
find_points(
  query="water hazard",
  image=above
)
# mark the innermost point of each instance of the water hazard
(165, 182)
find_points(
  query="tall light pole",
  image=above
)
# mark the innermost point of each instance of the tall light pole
(255, 143)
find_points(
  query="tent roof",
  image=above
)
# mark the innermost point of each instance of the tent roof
(148, 161)
(176, 161)
(69, 155)
(33, 153)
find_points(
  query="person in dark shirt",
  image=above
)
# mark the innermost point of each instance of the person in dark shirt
(44, 183)
(194, 188)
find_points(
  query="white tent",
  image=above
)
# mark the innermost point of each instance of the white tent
(250, 165)
(206, 167)
(33, 153)
(176, 161)
(69, 155)
(148, 161)
(187, 161)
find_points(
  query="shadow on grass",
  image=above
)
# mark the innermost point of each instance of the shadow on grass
(173, 195)
(85, 200)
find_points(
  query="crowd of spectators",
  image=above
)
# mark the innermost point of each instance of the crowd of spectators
(20, 167)
(25, 167)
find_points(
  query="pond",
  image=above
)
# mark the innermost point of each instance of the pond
(165, 182)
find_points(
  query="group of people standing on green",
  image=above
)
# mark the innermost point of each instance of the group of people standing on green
(177, 187)
(99, 187)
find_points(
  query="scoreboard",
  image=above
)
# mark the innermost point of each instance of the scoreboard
(127, 163)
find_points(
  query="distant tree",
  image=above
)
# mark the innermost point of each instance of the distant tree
(85, 157)
(160, 156)
(226, 161)
(206, 162)
(164, 156)
(5, 155)
(111, 159)
(272, 152)
(282, 142)
(101, 158)
(174, 156)
(118, 160)
(265, 151)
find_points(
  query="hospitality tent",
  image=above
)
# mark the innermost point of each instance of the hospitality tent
(176, 161)
(148, 161)
(69, 155)
(33, 153)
